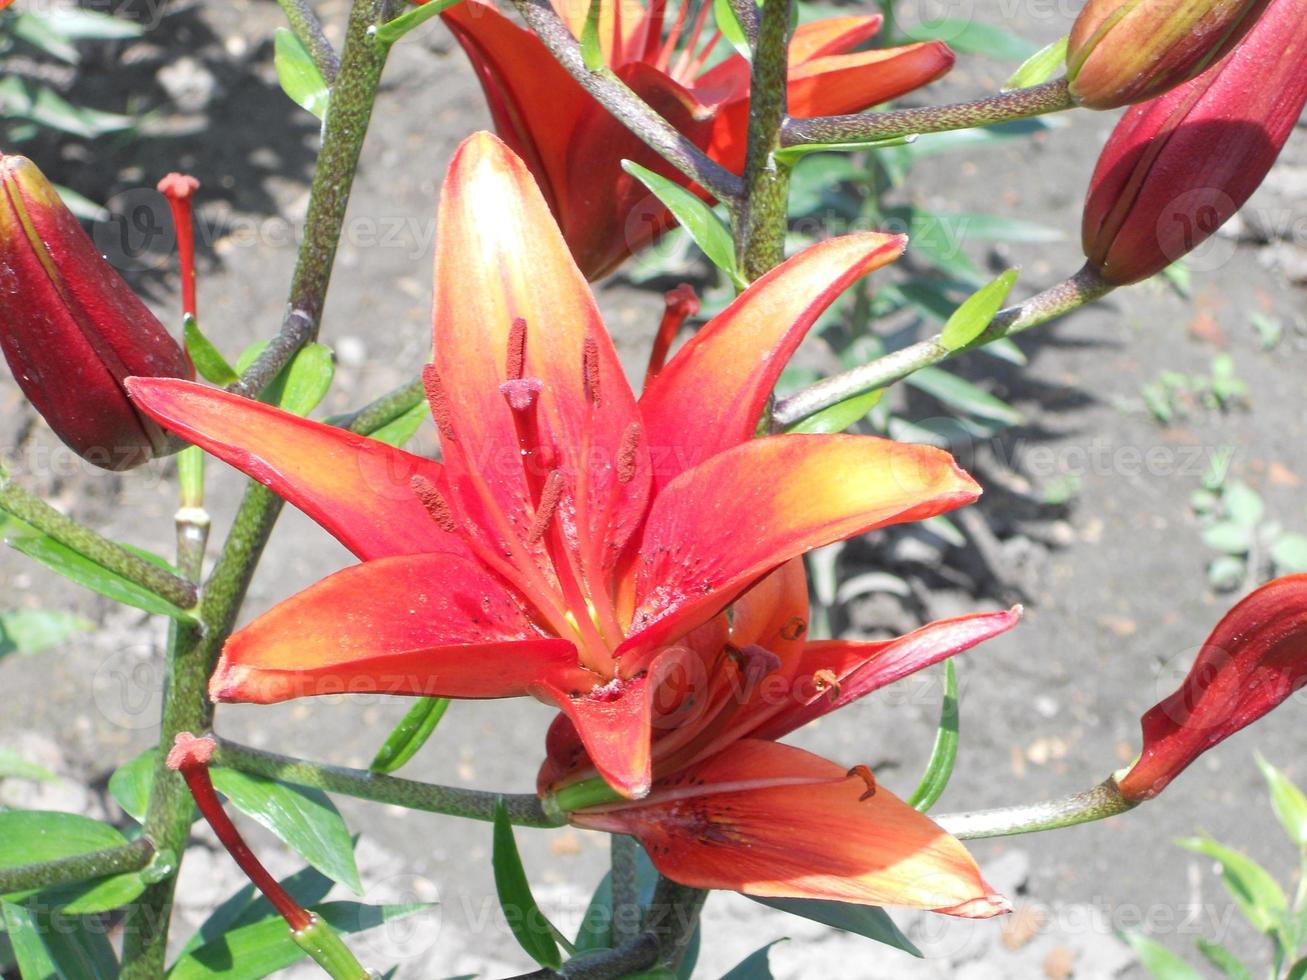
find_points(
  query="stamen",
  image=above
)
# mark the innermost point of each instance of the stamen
(435, 503)
(590, 369)
(516, 350)
(521, 393)
(627, 460)
(545, 511)
(865, 774)
(439, 401)
(679, 304)
(794, 628)
(179, 189)
(826, 683)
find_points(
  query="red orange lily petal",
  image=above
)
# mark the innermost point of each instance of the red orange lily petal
(710, 395)
(792, 493)
(774, 821)
(357, 488)
(432, 625)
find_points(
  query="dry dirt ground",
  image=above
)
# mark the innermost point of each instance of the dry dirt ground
(1114, 578)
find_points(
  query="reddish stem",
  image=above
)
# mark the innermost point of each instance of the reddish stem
(681, 304)
(190, 756)
(179, 189)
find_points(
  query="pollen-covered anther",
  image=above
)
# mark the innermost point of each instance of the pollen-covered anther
(439, 401)
(521, 393)
(434, 502)
(627, 459)
(590, 369)
(516, 365)
(866, 775)
(794, 628)
(545, 511)
(826, 683)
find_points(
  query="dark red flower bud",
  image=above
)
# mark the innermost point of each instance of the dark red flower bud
(1125, 51)
(1175, 169)
(71, 329)
(1254, 659)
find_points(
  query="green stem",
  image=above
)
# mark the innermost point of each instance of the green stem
(383, 410)
(306, 26)
(761, 218)
(32, 510)
(194, 649)
(79, 867)
(864, 127)
(625, 852)
(524, 810)
(1082, 288)
(1104, 800)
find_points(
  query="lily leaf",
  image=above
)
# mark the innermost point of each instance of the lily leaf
(974, 37)
(972, 318)
(211, 365)
(298, 74)
(524, 917)
(863, 920)
(731, 28)
(410, 734)
(53, 950)
(1288, 801)
(28, 836)
(945, 753)
(394, 29)
(1223, 960)
(1258, 895)
(35, 630)
(130, 784)
(963, 395)
(755, 966)
(397, 432)
(841, 415)
(1159, 961)
(1040, 67)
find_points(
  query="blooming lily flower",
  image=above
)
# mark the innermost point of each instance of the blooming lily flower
(572, 535)
(732, 809)
(575, 147)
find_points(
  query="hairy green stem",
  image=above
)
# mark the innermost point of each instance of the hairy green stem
(524, 809)
(1082, 288)
(383, 410)
(194, 649)
(306, 26)
(760, 219)
(624, 853)
(1104, 800)
(864, 127)
(79, 867)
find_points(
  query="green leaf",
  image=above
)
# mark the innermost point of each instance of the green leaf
(391, 31)
(62, 948)
(210, 364)
(592, 50)
(1290, 554)
(48, 108)
(755, 966)
(959, 140)
(78, 568)
(299, 75)
(81, 206)
(308, 379)
(410, 734)
(1042, 66)
(841, 415)
(28, 836)
(14, 766)
(519, 905)
(80, 24)
(1260, 897)
(1223, 960)
(1288, 801)
(1159, 961)
(130, 785)
(972, 318)
(36, 630)
(792, 154)
(255, 951)
(304, 818)
(1243, 504)
(945, 753)
(709, 232)
(1180, 278)
(397, 432)
(974, 37)
(862, 920)
(36, 30)
(731, 28)
(963, 395)
(1226, 572)
(247, 907)
(1298, 971)
(973, 227)
(937, 239)
(1229, 537)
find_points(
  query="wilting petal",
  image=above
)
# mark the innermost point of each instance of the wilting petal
(432, 625)
(833, 673)
(777, 822)
(718, 527)
(609, 214)
(357, 488)
(709, 397)
(1254, 659)
(500, 257)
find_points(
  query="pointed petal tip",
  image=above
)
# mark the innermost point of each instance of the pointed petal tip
(985, 907)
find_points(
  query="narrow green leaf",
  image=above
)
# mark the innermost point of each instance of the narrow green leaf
(308, 379)
(299, 75)
(976, 227)
(1243, 504)
(974, 37)
(592, 50)
(792, 154)
(519, 905)
(255, 951)
(1288, 801)
(755, 966)
(304, 818)
(391, 31)
(28, 836)
(81, 205)
(731, 28)
(80, 24)
(1298, 971)
(1228, 537)
(945, 753)
(209, 362)
(1259, 896)
(937, 239)
(1223, 960)
(959, 140)
(399, 431)
(36, 630)
(862, 920)
(130, 785)
(1042, 66)
(38, 31)
(963, 395)
(246, 907)
(976, 313)
(55, 946)
(14, 766)
(697, 218)
(1290, 553)
(841, 415)
(1159, 961)
(410, 734)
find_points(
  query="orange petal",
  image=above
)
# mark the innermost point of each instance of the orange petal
(831, 35)
(357, 488)
(430, 625)
(500, 257)
(718, 527)
(709, 397)
(777, 822)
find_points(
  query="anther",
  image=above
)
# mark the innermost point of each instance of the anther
(545, 511)
(516, 366)
(865, 774)
(794, 628)
(590, 369)
(521, 393)
(439, 401)
(627, 460)
(826, 683)
(435, 503)
(756, 663)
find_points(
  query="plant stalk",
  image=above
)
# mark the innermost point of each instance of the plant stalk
(1103, 801)
(79, 867)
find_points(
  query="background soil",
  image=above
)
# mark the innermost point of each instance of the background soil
(1117, 598)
